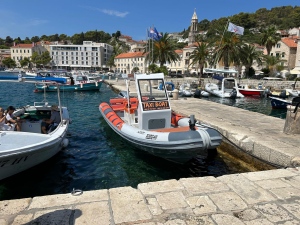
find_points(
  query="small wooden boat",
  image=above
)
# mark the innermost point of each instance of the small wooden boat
(147, 122)
(21, 150)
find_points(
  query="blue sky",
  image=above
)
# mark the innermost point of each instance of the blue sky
(20, 18)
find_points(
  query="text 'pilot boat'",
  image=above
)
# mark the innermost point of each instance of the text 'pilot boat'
(147, 122)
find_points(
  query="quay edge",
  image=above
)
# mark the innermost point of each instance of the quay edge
(265, 197)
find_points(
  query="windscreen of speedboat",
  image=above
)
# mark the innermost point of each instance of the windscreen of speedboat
(149, 90)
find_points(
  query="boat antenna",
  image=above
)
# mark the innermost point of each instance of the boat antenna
(59, 102)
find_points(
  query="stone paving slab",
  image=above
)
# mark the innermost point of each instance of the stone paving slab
(266, 197)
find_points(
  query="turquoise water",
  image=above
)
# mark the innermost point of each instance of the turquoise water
(96, 157)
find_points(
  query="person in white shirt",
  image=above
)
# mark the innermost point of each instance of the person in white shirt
(11, 119)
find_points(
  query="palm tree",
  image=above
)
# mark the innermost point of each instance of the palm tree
(163, 50)
(272, 62)
(249, 54)
(200, 56)
(269, 38)
(227, 50)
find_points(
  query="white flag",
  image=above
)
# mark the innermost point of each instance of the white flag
(235, 29)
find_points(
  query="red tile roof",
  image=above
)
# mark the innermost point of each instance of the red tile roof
(22, 46)
(290, 41)
(130, 55)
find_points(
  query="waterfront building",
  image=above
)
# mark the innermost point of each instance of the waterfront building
(286, 49)
(126, 62)
(20, 51)
(176, 67)
(4, 53)
(88, 56)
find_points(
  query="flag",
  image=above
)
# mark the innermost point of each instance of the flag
(235, 29)
(153, 34)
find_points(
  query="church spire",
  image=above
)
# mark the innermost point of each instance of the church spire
(193, 28)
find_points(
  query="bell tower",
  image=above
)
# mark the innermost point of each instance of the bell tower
(193, 28)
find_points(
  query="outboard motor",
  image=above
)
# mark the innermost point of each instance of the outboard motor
(233, 93)
(192, 122)
(197, 93)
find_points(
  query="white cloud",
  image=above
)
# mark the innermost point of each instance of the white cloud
(114, 12)
(36, 22)
(108, 11)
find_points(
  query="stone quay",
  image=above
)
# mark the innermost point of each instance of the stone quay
(263, 197)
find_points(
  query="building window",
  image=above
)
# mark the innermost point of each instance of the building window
(278, 45)
(283, 55)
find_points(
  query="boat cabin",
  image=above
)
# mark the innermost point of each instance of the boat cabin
(154, 111)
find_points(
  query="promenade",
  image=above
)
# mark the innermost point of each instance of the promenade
(264, 197)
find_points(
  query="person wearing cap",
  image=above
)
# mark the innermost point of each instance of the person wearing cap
(53, 121)
(14, 122)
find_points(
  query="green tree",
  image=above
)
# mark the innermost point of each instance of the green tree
(248, 55)
(25, 62)
(35, 39)
(9, 62)
(269, 38)
(45, 58)
(227, 49)
(200, 56)
(163, 50)
(9, 41)
(272, 62)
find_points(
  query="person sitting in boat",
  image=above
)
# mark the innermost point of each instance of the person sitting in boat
(53, 122)
(11, 120)
(3, 125)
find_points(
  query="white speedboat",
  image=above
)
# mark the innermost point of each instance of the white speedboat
(226, 88)
(21, 150)
(147, 122)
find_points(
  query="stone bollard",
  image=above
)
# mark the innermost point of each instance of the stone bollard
(292, 121)
(109, 77)
(117, 79)
(175, 94)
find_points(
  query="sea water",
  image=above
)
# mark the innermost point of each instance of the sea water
(97, 158)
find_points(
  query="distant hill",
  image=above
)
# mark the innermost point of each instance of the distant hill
(284, 18)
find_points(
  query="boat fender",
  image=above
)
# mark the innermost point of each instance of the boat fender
(65, 142)
(192, 122)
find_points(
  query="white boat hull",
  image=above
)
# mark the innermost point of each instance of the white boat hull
(176, 146)
(22, 150)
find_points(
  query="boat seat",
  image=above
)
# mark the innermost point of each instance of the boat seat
(120, 104)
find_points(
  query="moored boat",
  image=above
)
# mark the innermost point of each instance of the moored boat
(246, 91)
(226, 88)
(21, 150)
(75, 82)
(147, 122)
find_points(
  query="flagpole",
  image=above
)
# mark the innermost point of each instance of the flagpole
(223, 34)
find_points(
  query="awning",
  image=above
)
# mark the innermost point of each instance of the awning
(294, 71)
